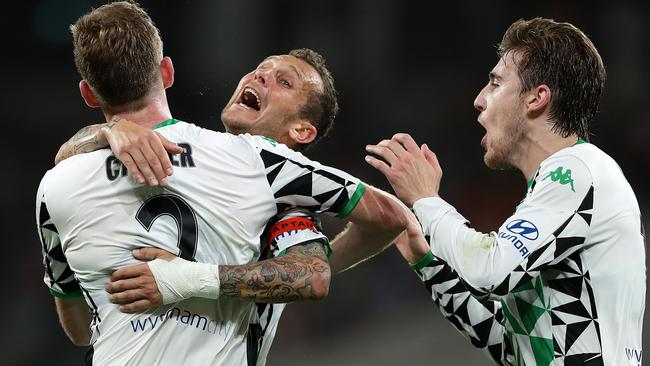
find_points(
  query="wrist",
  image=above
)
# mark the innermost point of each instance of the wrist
(180, 279)
(422, 262)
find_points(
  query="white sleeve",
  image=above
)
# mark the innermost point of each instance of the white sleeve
(58, 277)
(297, 181)
(549, 224)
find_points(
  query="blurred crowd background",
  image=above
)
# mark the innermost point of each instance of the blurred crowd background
(400, 66)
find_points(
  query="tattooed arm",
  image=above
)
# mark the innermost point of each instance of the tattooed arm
(86, 140)
(303, 273)
(143, 151)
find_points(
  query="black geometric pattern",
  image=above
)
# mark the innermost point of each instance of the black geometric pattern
(542, 312)
(318, 189)
(58, 275)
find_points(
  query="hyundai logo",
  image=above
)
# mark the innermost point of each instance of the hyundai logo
(524, 228)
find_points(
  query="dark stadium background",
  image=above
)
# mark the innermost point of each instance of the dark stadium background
(400, 66)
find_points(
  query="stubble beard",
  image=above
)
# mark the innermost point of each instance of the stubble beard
(502, 147)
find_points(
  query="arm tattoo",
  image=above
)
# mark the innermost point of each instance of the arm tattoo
(291, 277)
(86, 140)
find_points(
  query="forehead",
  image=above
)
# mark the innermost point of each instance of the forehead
(506, 68)
(304, 71)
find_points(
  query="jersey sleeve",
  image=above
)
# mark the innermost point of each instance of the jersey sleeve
(479, 320)
(550, 224)
(297, 181)
(59, 278)
(293, 227)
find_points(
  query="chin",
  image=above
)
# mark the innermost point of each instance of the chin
(496, 161)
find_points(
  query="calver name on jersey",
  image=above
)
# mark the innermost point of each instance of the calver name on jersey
(115, 168)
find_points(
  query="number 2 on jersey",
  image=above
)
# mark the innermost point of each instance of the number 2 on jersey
(179, 210)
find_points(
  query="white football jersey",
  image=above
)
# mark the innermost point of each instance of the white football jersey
(225, 188)
(563, 281)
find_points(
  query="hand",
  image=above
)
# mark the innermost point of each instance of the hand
(411, 243)
(413, 172)
(143, 151)
(134, 287)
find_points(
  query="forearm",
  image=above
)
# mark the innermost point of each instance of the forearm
(303, 273)
(357, 243)
(376, 222)
(462, 310)
(89, 138)
(86, 140)
(75, 319)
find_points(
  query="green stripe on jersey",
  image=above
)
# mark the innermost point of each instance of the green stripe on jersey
(168, 122)
(70, 295)
(352, 203)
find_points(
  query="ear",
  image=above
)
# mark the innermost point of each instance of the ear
(538, 99)
(167, 72)
(302, 132)
(88, 94)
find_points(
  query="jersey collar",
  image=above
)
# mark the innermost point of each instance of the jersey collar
(530, 182)
(168, 122)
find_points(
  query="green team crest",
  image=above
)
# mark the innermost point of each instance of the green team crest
(560, 176)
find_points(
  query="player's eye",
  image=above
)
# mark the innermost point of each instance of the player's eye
(285, 83)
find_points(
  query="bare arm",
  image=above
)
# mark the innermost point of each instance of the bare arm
(377, 220)
(85, 140)
(143, 151)
(74, 316)
(303, 273)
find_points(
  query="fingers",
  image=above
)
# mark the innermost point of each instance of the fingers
(157, 159)
(406, 141)
(143, 165)
(129, 272)
(132, 167)
(431, 157)
(137, 306)
(378, 164)
(160, 148)
(169, 146)
(384, 150)
(149, 254)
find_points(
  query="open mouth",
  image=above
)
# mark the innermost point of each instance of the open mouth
(249, 99)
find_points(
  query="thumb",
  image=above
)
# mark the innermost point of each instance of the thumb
(169, 146)
(149, 254)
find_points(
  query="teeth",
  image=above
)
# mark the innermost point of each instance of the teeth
(248, 89)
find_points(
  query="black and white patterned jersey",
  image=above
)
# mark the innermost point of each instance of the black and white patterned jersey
(224, 189)
(562, 282)
(290, 228)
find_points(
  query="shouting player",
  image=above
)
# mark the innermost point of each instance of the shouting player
(562, 282)
(214, 209)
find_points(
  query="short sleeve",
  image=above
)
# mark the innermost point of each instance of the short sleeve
(59, 277)
(297, 181)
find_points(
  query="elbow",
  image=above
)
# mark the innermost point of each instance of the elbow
(321, 284)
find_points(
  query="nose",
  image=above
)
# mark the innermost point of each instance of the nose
(261, 76)
(480, 102)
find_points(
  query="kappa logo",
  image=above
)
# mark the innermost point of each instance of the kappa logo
(562, 177)
(524, 228)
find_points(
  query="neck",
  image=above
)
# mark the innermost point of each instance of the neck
(536, 146)
(155, 111)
